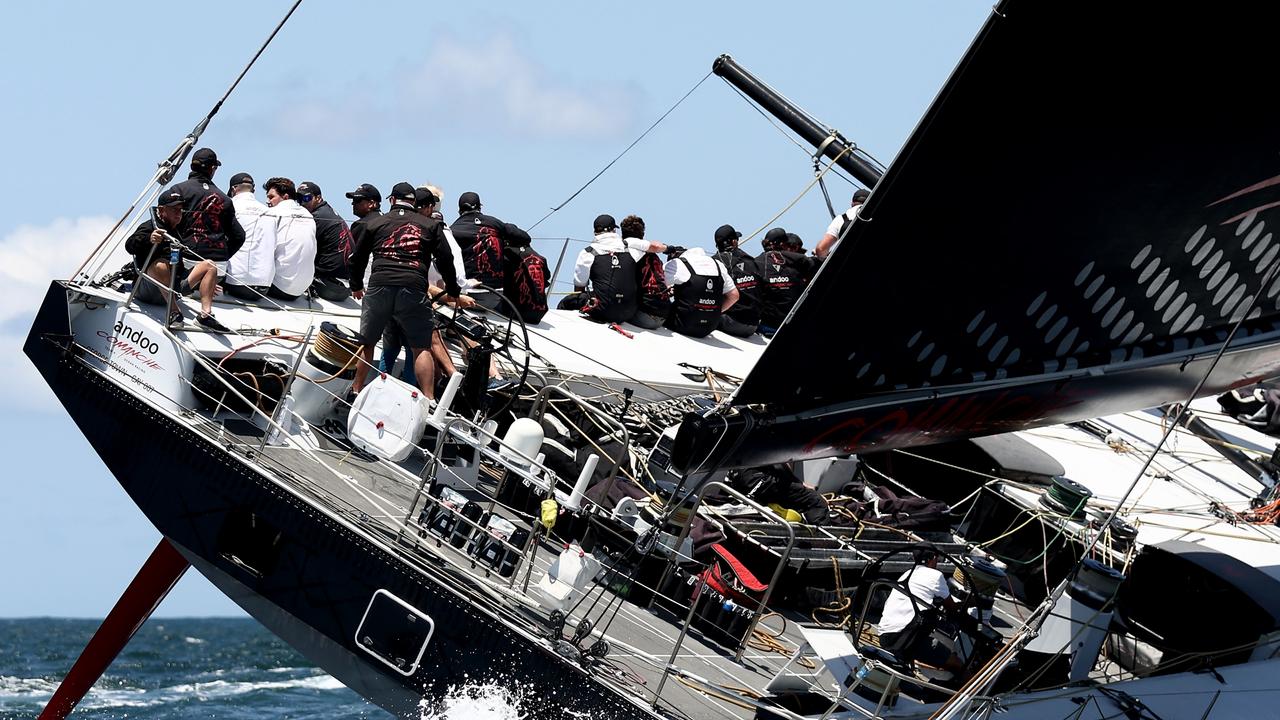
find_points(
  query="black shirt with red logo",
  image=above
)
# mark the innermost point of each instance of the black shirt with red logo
(481, 238)
(209, 227)
(403, 243)
(333, 243)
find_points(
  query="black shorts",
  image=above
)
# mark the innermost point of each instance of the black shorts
(410, 308)
(491, 301)
(150, 293)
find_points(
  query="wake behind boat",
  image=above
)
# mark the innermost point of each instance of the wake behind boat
(595, 536)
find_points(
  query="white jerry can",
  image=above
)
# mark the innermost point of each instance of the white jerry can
(567, 579)
(388, 417)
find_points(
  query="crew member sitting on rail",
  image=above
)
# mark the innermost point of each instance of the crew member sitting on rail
(149, 245)
(840, 225)
(251, 270)
(333, 245)
(701, 291)
(785, 274)
(525, 277)
(608, 264)
(292, 231)
(481, 238)
(654, 301)
(402, 243)
(743, 318)
(209, 230)
(907, 636)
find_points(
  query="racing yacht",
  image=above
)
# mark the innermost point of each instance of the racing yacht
(1076, 229)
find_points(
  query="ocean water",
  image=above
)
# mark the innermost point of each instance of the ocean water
(227, 668)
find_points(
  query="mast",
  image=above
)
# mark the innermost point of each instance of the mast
(828, 141)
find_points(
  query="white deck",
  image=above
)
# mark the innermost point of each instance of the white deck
(1172, 499)
(564, 343)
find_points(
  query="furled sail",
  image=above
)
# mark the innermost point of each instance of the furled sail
(1090, 204)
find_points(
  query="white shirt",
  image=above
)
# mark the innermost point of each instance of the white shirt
(293, 233)
(606, 242)
(838, 223)
(433, 275)
(677, 273)
(926, 584)
(254, 263)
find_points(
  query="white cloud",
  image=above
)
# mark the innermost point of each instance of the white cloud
(30, 257)
(492, 85)
(468, 88)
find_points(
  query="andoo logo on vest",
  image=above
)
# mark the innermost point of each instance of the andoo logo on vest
(133, 343)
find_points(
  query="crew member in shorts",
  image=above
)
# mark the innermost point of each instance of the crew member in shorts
(402, 244)
(149, 245)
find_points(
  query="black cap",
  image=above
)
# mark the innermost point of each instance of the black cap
(861, 195)
(423, 197)
(240, 179)
(403, 191)
(794, 241)
(726, 236)
(309, 188)
(169, 197)
(604, 223)
(775, 235)
(365, 192)
(205, 157)
(468, 201)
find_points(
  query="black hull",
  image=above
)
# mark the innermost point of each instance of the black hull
(315, 590)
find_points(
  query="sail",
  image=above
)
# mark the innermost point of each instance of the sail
(1094, 193)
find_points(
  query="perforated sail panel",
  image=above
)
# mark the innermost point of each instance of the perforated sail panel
(1095, 185)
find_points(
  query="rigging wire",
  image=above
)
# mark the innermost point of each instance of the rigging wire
(626, 150)
(1185, 406)
(164, 173)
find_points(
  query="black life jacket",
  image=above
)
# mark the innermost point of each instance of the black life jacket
(655, 296)
(746, 276)
(784, 281)
(525, 282)
(613, 285)
(696, 310)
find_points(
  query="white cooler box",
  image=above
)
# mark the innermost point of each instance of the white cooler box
(388, 417)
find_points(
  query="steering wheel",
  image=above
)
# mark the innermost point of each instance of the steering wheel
(500, 347)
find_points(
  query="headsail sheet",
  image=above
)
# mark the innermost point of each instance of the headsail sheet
(1096, 188)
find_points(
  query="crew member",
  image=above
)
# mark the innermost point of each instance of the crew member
(785, 275)
(654, 301)
(402, 243)
(333, 245)
(525, 277)
(292, 231)
(427, 202)
(149, 245)
(251, 270)
(608, 265)
(743, 318)
(701, 291)
(209, 227)
(927, 585)
(840, 225)
(480, 237)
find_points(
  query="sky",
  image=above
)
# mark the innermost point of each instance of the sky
(520, 102)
